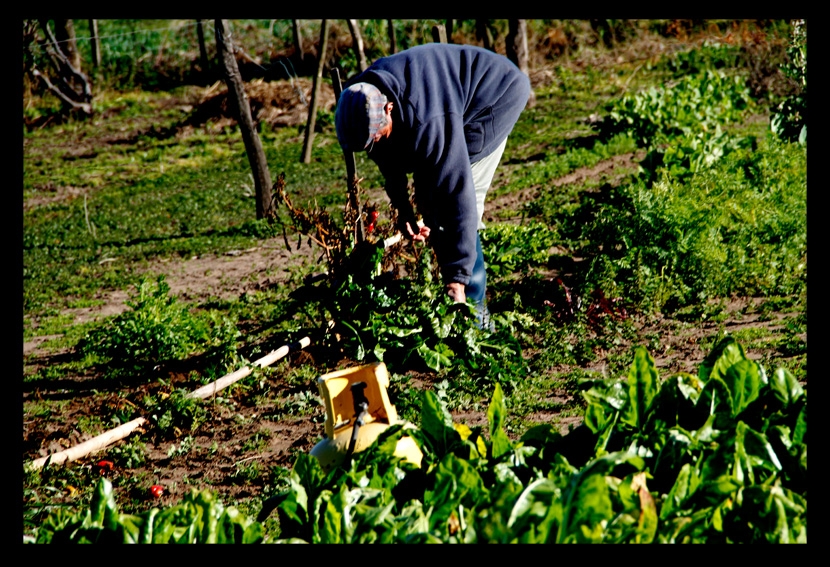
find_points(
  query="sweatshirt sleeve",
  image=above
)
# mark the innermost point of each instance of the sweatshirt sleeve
(443, 172)
(396, 184)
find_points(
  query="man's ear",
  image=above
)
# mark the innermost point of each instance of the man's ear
(389, 106)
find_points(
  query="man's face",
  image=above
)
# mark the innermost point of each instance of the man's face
(386, 131)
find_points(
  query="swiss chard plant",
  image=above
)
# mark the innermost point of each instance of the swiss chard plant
(377, 316)
(199, 518)
(681, 124)
(715, 457)
(726, 448)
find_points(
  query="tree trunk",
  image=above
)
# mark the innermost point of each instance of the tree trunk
(65, 34)
(312, 111)
(239, 101)
(516, 44)
(393, 42)
(357, 44)
(517, 52)
(449, 31)
(298, 40)
(70, 85)
(439, 34)
(483, 34)
(94, 43)
(203, 56)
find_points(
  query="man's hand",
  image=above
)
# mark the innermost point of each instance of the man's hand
(456, 292)
(423, 233)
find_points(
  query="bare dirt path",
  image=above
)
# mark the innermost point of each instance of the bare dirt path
(226, 276)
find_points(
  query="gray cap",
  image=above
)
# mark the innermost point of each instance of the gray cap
(359, 115)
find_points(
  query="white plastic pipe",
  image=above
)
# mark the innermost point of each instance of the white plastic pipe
(122, 431)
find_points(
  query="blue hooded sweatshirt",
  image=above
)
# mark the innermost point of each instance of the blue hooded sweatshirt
(453, 105)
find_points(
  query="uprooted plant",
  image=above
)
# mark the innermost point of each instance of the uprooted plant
(348, 248)
(375, 313)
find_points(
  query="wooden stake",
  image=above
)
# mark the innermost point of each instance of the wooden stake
(239, 102)
(351, 167)
(357, 44)
(308, 141)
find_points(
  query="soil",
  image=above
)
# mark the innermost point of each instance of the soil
(222, 447)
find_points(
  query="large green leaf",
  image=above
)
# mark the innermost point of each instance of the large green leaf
(615, 396)
(716, 397)
(457, 482)
(752, 450)
(103, 509)
(403, 332)
(596, 417)
(496, 414)
(589, 507)
(603, 411)
(684, 486)
(726, 353)
(689, 386)
(162, 527)
(586, 500)
(537, 504)
(296, 509)
(437, 358)
(138, 529)
(455, 479)
(332, 505)
(785, 387)
(642, 387)
(743, 379)
(436, 424)
(724, 486)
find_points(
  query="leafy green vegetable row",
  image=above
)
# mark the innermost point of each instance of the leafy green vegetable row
(198, 518)
(717, 457)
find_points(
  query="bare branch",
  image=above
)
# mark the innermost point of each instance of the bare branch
(62, 63)
(84, 107)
